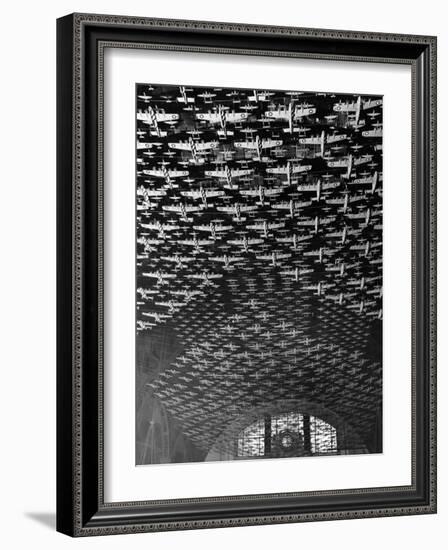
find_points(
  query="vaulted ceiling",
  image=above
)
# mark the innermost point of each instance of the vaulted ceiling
(259, 260)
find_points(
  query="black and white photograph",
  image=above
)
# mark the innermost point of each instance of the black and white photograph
(258, 274)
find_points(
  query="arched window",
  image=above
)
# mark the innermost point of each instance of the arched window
(287, 434)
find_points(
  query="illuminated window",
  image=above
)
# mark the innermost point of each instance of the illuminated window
(288, 434)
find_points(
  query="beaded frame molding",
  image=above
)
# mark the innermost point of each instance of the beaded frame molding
(81, 40)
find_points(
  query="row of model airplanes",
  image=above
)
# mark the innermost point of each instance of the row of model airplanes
(267, 350)
(264, 345)
(243, 182)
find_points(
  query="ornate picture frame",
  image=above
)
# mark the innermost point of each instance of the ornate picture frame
(81, 506)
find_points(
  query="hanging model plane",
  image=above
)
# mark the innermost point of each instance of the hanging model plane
(196, 148)
(206, 277)
(161, 276)
(322, 140)
(196, 243)
(292, 206)
(245, 242)
(227, 261)
(274, 257)
(265, 227)
(290, 113)
(183, 98)
(317, 188)
(153, 117)
(237, 210)
(261, 192)
(165, 173)
(258, 145)
(297, 273)
(222, 117)
(294, 240)
(289, 170)
(203, 194)
(355, 107)
(182, 210)
(213, 229)
(367, 180)
(180, 261)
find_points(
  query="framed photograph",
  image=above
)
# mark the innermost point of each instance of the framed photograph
(246, 274)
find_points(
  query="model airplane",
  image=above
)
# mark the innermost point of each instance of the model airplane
(237, 210)
(289, 170)
(322, 140)
(203, 194)
(206, 278)
(258, 145)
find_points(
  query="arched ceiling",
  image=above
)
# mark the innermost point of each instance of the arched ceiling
(259, 265)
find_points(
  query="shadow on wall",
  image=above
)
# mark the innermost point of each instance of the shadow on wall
(47, 519)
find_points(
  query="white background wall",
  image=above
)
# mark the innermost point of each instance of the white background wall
(27, 289)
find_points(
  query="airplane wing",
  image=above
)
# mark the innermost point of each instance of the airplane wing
(307, 187)
(304, 111)
(210, 117)
(377, 132)
(268, 143)
(310, 140)
(156, 173)
(278, 170)
(276, 225)
(141, 145)
(215, 173)
(167, 117)
(192, 194)
(344, 107)
(362, 160)
(236, 117)
(277, 114)
(144, 116)
(301, 168)
(370, 103)
(334, 139)
(218, 259)
(284, 239)
(340, 163)
(214, 193)
(245, 144)
(330, 185)
(240, 172)
(154, 192)
(203, 146)
(177, 173)
(180, 146)
(150, 225)
(367, 179)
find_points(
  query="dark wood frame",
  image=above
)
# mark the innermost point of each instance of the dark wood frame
(81, 39)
